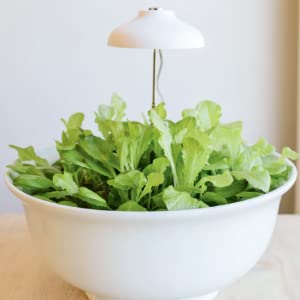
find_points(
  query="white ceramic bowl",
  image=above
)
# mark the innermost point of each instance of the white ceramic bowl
(177, 255)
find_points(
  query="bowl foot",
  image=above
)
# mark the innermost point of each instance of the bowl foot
(211, 296)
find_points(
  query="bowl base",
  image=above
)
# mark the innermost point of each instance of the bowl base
(210, 296)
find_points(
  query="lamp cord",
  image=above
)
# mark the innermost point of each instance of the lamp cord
(161, 64)
(156, 77)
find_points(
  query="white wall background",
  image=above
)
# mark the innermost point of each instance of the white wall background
(54, 61)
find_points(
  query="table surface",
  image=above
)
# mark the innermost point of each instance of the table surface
(24, 277)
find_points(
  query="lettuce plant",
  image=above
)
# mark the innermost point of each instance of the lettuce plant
(159, 164)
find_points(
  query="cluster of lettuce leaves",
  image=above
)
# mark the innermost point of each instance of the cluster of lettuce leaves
(156, 165)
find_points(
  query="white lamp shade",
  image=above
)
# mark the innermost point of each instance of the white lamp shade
(156, 29)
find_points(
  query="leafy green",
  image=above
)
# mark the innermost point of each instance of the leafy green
(131, 206)
(206, 113)
(32, 183)
(165, 140)
(289, 153)
(214, 199)
(68, 203)
(220, 180)
(101, 151)
(90, 197)
(195, 156)
(176, 200)
(72, 133)
(132, 180)
(65, 182)
(28, 154)
(132, 142)
(159, 165)
(248, 195)
(156, 165)
(229, 191)
(153, 180)
(115, 111)
(161, 110)
(260, 180)
(55, 195)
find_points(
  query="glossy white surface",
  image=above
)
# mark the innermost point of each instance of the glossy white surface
(153, 255)
(275, 277)
(156, 29)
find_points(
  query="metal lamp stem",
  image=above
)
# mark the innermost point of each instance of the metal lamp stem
(154, 79)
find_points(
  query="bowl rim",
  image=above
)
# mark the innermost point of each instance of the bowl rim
(253, 202)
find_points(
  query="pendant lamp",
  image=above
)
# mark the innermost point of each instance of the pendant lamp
(156, 29)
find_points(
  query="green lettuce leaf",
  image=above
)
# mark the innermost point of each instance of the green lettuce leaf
(153, 180)
(260, 179)
(159, 165)
(68, 203)
(206, 113)
(176, 200)
(90, 197)
(195, 156)
(73, 131)
(32, 183)
(101, 151)
(65, 182)
(165, 140)
(289, 153)
(131, 206)
(220, 180)
(132, 180)
(28, 154)
(154, 165)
